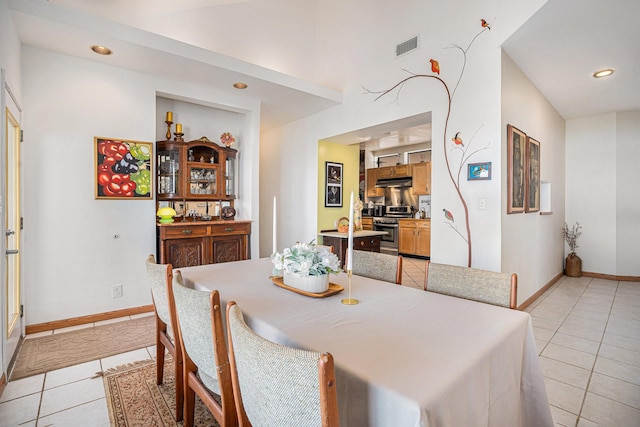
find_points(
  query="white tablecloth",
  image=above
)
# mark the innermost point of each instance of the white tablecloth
(404, 357)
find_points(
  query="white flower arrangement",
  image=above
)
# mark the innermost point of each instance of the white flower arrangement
(306, 259)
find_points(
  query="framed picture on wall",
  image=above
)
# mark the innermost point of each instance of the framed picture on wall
(532, 183)
(123, 169)
(333, 185)
(478, 171)
(516, 176)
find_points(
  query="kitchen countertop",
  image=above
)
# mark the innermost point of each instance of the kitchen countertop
(356, 234)
(415, 219)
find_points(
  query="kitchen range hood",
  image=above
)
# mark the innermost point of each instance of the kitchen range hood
(394, 182)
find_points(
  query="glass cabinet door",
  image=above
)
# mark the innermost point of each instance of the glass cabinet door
(168, 172)
(203, 181)
(230, 177)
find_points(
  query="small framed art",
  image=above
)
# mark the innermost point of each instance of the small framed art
(478, 171)
(333, 185)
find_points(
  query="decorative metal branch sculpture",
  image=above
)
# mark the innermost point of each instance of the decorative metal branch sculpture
(457, 140)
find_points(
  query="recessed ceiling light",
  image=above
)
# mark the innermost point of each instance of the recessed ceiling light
(240, 85)
(603, 73)
(101, 50)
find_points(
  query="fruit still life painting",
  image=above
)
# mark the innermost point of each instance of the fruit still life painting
(123, 169)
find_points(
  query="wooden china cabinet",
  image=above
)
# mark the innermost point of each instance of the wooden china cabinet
(192, 175)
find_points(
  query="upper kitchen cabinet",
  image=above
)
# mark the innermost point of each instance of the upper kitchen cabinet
(421, 178)
(372, 177)
(398, 171)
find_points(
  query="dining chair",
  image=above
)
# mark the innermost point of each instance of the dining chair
(275, 385)
(160, 277)
(471, 283)
(206, 370)
(376, 265)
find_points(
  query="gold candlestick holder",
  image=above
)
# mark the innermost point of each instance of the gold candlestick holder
(168, 135)
(349, 300)
(178, 137)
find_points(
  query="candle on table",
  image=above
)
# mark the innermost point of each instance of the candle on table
(169, 116)
(350, 236)
(275, 242)
(179, 128)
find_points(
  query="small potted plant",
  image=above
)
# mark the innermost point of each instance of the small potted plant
(306, 267)
(573, 262)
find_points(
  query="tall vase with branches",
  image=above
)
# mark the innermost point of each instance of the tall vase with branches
(456, 140)
(573, 262)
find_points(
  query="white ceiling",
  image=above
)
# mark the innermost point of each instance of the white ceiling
(558, 49)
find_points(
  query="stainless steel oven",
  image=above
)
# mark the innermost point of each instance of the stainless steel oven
(389, 241)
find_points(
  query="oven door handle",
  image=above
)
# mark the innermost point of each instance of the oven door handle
(386, 225)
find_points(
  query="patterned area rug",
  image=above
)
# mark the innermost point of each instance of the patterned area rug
(134, 398)
(38, 355)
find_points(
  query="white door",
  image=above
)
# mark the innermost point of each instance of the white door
(12, 321)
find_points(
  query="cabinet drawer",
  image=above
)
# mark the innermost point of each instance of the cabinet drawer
(230, 228)
(367, 244)
(184, 231)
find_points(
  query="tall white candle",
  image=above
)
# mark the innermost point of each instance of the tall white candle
(275, 240)
(350, 239)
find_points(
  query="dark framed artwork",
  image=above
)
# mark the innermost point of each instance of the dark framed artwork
(532, 183)
(516, 176)
(478, 171)
(123, 169)
(333, 185)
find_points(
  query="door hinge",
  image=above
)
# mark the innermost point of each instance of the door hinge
(21, 223)
(21, 310)
(21, 135)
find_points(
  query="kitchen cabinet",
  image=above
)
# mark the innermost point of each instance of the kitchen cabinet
(191, 243)
(367, 224)
(372, 177)
(414, 237)
(397, 171)
(421, 178)
(362, 241)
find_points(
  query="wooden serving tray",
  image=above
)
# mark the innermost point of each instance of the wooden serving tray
(333, 288)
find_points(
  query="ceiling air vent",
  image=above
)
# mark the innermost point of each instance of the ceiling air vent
(407, 46)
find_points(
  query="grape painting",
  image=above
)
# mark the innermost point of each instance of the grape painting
(123, 169)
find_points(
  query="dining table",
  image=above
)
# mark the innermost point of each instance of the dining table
(403, 356)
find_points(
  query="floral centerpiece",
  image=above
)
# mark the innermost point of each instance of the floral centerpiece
(306, 267)
(227, 139)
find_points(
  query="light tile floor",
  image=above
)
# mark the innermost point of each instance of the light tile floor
(587, 331)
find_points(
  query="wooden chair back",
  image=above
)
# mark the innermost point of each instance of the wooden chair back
(160, 277)
(376, 265)
(275, 385)
(471, 283)
(204, 352)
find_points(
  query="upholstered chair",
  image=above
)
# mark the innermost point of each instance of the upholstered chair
(275, 385)
(376, 265)
(471, 283)
(160, 277)
(204, 352)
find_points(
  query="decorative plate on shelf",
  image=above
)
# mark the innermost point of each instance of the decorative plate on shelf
(227, 212)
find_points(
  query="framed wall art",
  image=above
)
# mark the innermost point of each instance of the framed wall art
(516, 176)
(123, 169)
(333, 185)
(478, 171)
(532, 183)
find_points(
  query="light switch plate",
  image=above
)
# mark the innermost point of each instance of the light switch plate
(482, 204)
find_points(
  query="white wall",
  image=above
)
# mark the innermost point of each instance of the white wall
(476, 110)
(72, 258)
(532, 244)
(602, 191)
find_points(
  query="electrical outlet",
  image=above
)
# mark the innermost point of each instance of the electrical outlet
(117, 291)
(482, 204)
